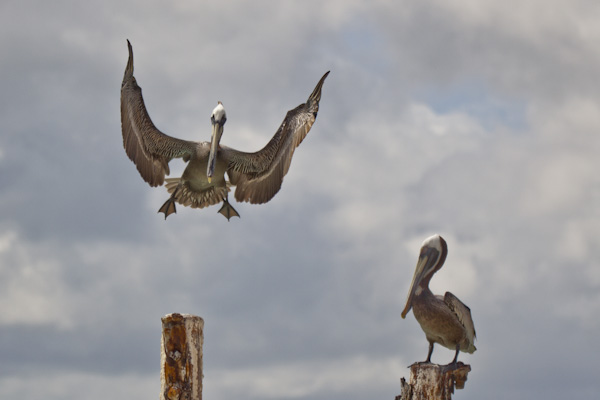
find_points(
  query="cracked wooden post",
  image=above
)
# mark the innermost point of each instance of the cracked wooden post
(433, 381)
(181, 357)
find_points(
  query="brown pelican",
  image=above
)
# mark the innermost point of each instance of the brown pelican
(257, 176)
(445, 320)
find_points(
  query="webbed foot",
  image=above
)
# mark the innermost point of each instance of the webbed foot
(228, 211)
(168, 208)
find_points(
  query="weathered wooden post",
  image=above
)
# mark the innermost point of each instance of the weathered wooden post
(181, 357)
(433, 381)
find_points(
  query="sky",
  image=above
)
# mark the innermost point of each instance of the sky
(475, 119)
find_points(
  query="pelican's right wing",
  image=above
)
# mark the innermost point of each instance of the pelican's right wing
(258, 176)
(149, 149)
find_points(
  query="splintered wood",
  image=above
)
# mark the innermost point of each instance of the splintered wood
(181, 357)
(433, 381)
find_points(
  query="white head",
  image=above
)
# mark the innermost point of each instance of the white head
(218, 114)
(434, 241)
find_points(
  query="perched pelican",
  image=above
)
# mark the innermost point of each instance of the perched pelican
(257, 176)
(445, 320)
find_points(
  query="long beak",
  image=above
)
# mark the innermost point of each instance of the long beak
(427, 259)
(217, 132)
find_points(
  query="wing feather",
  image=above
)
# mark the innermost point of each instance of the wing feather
(463, 313)
(148, 148)
(258, 176)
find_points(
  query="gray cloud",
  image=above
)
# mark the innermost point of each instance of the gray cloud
(474, 120)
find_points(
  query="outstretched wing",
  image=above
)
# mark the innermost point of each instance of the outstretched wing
(258, 176)
(149, 149)
(462, 312)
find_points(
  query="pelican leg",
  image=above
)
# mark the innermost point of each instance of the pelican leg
(430, 352)
(227, 210)
(168, 207)
(455, 355)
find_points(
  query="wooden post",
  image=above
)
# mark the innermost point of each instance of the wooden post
(181, 357)
(433, 381)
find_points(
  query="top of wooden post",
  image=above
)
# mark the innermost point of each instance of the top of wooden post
(434, 382)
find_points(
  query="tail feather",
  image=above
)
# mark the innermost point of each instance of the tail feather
(182, 193)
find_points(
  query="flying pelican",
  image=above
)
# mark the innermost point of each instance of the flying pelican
(257, 176)
(445, 320)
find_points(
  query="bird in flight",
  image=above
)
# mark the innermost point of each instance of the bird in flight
(257, 176)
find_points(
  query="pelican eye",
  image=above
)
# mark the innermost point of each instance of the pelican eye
(220, 122)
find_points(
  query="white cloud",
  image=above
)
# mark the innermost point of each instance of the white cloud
(72, 385)
(475, 120)
(31, 289)
(302, 380)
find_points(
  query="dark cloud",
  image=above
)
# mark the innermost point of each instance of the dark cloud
(471, 121)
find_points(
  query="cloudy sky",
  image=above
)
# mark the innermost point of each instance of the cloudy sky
(477, 120)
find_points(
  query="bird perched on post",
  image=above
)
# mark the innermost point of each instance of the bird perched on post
(444, 319)
(257, 176)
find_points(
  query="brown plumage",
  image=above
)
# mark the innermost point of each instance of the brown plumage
(444, 319)
(257, 176)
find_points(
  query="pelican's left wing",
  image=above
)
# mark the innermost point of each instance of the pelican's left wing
(258, 176)
(462, 312)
